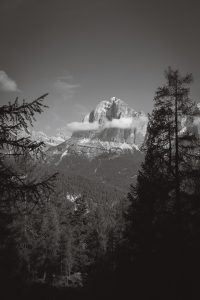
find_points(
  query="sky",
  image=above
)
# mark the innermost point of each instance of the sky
(85, 51)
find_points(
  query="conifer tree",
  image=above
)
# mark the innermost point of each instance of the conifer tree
(21, 188)
(161, 202)
(15, 146)
(171, 145)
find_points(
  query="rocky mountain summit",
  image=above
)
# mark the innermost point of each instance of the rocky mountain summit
(112, 127)
(115, 122)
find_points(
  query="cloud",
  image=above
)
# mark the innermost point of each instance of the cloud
(125, 123)
(82, 126)
(6, 83)
(122, 123)
(65, 88)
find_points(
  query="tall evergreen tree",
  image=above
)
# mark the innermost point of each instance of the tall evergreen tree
(20, 188)
(158, 226)
(173, 146)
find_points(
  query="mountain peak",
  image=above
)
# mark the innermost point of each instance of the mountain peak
(116, 100)
(114, 121)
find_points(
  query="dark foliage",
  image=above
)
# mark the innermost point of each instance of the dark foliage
(20, 190)
(162, 234)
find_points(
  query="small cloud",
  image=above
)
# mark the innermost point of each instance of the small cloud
(6, 83)
(63, 87)
(125, 123)
(122, 123)
(82, 126)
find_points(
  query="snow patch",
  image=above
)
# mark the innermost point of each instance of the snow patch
(84, 141)
(71, 197)
(125, 146)
(64, 153)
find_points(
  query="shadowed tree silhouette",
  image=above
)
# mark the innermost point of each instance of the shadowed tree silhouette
(21, 188)
(161, 227)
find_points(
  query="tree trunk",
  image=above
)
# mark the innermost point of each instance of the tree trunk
(177, 181)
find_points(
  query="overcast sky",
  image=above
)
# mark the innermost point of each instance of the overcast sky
(84, 51)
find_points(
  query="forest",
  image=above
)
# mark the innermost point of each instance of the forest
(67, 237)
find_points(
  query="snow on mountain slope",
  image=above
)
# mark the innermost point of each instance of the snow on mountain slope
(48, 140)
(40, 136)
